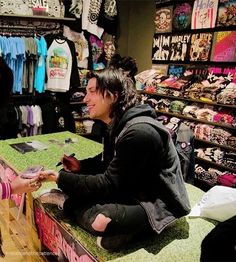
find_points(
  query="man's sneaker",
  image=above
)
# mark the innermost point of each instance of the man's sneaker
(116, 242)
(53, 196)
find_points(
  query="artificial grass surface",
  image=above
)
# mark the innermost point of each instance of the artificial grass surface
(180, 242)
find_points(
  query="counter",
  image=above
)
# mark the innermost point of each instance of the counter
(46, 225)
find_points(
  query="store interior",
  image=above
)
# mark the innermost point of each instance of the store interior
(184, 58)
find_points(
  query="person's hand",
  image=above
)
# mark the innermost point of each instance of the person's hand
(48, 176)
(70, 164)
(21, 185)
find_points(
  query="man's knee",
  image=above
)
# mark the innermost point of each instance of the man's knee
(100, 223)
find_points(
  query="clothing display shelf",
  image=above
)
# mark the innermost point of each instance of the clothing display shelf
(189, 99)
(195, 119)
(199, 159)
(198, 141)
(215, 144)
(195, 101)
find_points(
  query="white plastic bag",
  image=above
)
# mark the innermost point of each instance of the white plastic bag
(219, 203)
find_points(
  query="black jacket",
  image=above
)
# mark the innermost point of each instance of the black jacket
(142, 166)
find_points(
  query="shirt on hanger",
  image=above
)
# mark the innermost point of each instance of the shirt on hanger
(59, 65)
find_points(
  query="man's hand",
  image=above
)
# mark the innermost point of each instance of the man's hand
(21, 185)
(48, 176)
(70, 164)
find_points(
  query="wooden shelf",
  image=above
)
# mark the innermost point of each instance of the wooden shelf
(210, 63)
(196, 120)
(188, 99)
(77, 103)
(36, 17)
(200, 30)
(216, 164)
(215, 144)
(82, 118)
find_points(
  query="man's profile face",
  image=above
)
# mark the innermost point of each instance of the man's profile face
(98, 106)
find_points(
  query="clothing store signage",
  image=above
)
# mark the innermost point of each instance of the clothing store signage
(27, 7)
(54, 237)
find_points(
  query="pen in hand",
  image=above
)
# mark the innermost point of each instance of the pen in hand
(60, 163)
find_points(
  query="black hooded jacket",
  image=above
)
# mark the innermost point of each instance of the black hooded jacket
(142, 166)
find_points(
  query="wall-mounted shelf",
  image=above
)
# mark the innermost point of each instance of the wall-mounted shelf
(196, 119)
(202, 30)
(189, 99)
(82, 118)
(78, 103)
(36, 17)
(210, 63)
(215, 144)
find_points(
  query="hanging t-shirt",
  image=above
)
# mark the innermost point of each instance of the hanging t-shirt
(59, 64)
(96, 46)
(91, 11)
(40, 69)
(81, 46)
(74, 9)
(19, 63)
(108, 17)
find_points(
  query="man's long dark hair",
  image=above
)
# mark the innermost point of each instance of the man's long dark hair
(114, 82)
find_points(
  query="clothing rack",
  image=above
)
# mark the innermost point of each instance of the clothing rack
(26, 27)
(32, 31)
(29, 30)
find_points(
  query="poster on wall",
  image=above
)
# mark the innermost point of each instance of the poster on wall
(182, 14)
(200, 47)
(226, 13)
(204, 14)
(163, 19)
(161, 47)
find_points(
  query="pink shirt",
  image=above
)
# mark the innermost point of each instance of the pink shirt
(5, 190)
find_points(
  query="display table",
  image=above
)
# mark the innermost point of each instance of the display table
(180, 242)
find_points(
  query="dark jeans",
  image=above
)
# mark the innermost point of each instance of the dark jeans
(125, 218)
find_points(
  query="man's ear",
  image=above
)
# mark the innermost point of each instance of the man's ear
(115, 96)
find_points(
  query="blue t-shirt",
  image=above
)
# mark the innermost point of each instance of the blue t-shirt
(40, 69)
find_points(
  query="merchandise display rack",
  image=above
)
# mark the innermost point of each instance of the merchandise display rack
(165, 61)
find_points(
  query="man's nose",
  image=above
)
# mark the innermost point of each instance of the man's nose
(86, 98)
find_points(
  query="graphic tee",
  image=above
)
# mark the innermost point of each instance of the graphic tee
(163, 19)
(200, 46)
(182, 14)
(91, 11)
(226, 13)
(59, 64)
(204, 14)
(224, 46)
